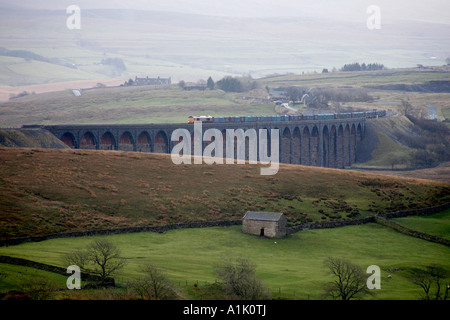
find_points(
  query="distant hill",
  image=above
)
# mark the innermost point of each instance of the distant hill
(190, 47)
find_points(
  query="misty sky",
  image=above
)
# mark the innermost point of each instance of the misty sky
(350, 10)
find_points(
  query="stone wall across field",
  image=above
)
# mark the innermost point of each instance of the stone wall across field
(159, 229)
(329, 224)
(226, 223)
(382, 219)
(50, 268)
(416, 212)
(414, 233)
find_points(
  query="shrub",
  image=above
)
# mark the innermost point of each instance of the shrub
(154, 285)
(239, 280)
(234, 84)
(36, 288)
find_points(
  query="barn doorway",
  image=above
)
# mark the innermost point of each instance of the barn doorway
(261, 234)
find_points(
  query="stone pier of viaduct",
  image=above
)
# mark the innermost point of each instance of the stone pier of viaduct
(325, 143)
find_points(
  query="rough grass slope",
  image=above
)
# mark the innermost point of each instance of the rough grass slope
(44, 191)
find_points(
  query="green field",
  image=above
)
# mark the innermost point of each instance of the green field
(292, 267)
(13, 277)
(128, 105)
(437, 224)
(357, 78)
(26, 72)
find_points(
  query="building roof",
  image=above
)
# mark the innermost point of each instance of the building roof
(262, 216)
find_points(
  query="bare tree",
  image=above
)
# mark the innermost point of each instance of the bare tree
(101, 258)
(434, 281)
(239, 279)
(350, 280)
(406, 108)
(154, 285)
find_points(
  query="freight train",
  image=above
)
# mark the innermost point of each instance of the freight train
(322, 116)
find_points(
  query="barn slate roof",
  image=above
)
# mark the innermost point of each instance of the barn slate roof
(263, 216)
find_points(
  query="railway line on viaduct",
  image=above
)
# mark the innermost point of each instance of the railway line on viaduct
(318, 142)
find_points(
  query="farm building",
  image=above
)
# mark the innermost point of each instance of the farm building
(267, 224)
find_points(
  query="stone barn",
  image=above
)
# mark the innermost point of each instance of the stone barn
(267, 224)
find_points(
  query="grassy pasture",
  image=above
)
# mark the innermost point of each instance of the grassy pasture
(122, 105)
(357, 78)
(292, 267)
(13, 277)
(26, 72)
(437, 224)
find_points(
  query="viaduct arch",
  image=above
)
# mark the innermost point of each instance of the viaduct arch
(324, 143)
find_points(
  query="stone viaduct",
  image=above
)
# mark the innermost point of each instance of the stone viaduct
(324, 143)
